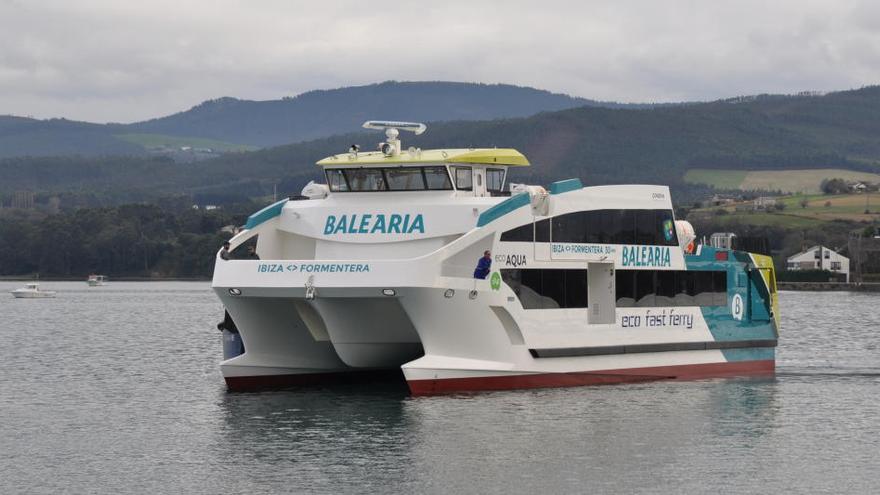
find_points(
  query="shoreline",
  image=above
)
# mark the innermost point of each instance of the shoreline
(829, 286)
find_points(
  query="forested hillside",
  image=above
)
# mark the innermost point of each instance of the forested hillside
(130, 240)
(598, 145)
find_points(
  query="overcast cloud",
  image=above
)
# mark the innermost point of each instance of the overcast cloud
(112, 60)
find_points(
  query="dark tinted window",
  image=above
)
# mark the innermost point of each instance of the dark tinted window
(548, 288)
(570, 227)
(670, 288)
(645, 289)
(523, 233)
(647, 227)
(542, 231)
(575, 288)
(625, 287)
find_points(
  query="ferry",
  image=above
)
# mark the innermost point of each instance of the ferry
(376, 270)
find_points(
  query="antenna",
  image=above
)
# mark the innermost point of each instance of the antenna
(392, 129)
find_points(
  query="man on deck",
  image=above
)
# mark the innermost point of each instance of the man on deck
(483, 266)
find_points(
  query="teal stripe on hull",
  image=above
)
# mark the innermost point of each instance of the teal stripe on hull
(266, 213)
(503, 208)
(564, 186)
(724, 328)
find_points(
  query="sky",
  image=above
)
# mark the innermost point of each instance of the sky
(126, 60)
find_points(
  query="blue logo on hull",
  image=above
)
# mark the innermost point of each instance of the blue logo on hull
(652, 256)
(375, 224)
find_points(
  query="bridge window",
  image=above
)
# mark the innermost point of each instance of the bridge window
(649, 288)
(405, 179)
(494, 179)
(548, 288)
(336, 180)
(437, 178)
(365, 179)
(388, 179)
(464, 180)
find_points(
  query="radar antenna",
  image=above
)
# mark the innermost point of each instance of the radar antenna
(392, 146)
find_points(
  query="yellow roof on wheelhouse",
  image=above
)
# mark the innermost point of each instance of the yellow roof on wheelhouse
(391, 153)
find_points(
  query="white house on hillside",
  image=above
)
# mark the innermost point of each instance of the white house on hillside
(820, 258)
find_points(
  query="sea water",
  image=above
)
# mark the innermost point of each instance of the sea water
(116, 389)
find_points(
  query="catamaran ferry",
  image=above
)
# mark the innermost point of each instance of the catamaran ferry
(375, 270)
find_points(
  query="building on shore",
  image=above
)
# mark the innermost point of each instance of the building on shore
(819, 258)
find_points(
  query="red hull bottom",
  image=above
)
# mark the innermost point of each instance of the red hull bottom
(269, 382)
(604, 377)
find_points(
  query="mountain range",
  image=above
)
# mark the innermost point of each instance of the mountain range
(599, 144)
(231, 124)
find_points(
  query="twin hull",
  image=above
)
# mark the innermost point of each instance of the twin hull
(309, 320)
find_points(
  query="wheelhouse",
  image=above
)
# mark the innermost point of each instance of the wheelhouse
(468, 172)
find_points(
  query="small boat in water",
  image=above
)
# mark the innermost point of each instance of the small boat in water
(96, 280)
(32, 291)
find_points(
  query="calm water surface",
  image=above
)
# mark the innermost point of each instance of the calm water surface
(116, 389)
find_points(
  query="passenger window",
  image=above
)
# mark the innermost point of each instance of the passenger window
(437, 178)
(548, 288)
(649, 288)
(405, 179)
(625, 288)
(523, 233)
(646, 227)
(645, 288)
(463, 178)
(569, 228)
(542, 230)
(553, 288)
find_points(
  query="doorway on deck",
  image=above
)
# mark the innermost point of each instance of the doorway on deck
(600, 293)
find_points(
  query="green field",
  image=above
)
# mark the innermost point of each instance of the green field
(833, 207)
(790, 181)
(819, 208)
(153, 141)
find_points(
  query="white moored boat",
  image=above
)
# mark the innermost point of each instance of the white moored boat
(32, 291)
(96, 280)
(376, 271)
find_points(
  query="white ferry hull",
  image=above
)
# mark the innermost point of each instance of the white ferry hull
(280, 346)
(475, 344)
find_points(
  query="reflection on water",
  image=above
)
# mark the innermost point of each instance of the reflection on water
(117, 390)
(488, 442)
